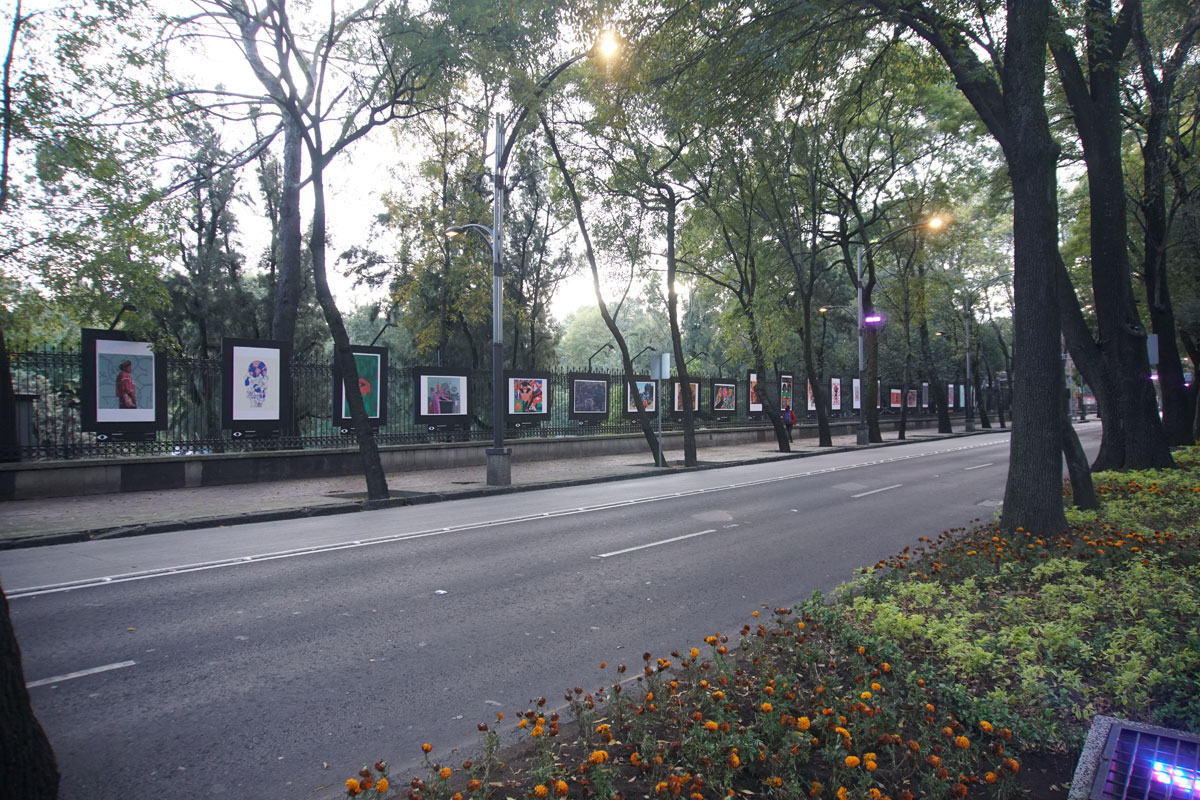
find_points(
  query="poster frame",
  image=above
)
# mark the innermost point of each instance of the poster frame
(96, 342)
(379, 418)
(517, 419)
(421, 376)
(230, 385)
(676, 398)
(628, 386)
(722, 413)
(593, 417)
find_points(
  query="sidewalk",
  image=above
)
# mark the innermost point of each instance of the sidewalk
(26, 523)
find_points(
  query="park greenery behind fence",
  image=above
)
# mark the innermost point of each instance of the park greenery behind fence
(935, 673)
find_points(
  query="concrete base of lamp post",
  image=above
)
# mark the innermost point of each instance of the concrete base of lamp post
(863, 433)
(499, 466)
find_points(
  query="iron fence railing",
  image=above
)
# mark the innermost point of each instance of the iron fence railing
(46, 384)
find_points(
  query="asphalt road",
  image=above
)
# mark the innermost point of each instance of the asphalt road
(243, 660)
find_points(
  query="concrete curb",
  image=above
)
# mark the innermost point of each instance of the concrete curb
(332, 509)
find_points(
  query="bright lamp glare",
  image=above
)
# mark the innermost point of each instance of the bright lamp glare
(1185, 779)
(874, 319)
(936, 222)
(608, 45)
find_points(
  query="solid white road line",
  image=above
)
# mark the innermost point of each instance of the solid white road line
(83, 673)
(876, 491)
(977, 466)
(655, 544)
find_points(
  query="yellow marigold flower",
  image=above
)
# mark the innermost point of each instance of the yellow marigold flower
(869, 756)
(537, 731)
(711, 725)
(985, 726)
(803, 723)
(540, 790)
(842, 731)
(767, 708)
(444, 772)
(733, 760)
(718, 695)
(865, 696)
(852, 761)
(425, 748)
(694, 653)
(871, 766)
(524, 723)
(660, 787)
(598, 757)
(352, 787)
(929, 708)
(962, 742)
(382, 786)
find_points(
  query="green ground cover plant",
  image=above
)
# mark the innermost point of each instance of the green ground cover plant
(936, 673)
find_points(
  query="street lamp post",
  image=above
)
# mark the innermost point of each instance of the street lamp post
(933, 223)
(499, 457)
(605, 346)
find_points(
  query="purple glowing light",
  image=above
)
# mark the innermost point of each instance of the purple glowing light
(874, 319)
(1185, 779)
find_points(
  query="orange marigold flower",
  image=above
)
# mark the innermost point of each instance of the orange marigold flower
(803, 723)
(473, 785)
(815, 789)
(635, 758)
(661, 787)
(382, 786)
(711, 725)
(774, 781)
(990, 777)
(958, 790)
(1012, 764)
(352, 787)
(929, 708)
(875, 687)
(540, 790)
(962, 742)
(874, 793)
(985, 726)
(767, 708)
(444, 773)
(871, 766)
(561, 788)
(598, 757)
(948, 732)
(694, 653)
(733, 760)
(425, 748)
(852, 761)
(842, 794)
(865, 696)
(537, 731)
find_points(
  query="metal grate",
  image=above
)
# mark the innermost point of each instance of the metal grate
(1141, 763)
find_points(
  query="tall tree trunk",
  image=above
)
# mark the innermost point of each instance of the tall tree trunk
(290, 279)
(1031, 497)
(685, 385)
(871, 390)
(1083, 492)
(28, 769)
(377, 488)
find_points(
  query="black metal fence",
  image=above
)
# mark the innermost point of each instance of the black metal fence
(47, 387)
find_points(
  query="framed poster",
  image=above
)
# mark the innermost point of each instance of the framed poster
(925, 396)
(856, 394)
(912, 398)
(812, 400)
(897, 398)
(441, 397)
(785, 393)
(371, 363)
(123, 386)
(677, 394)
(649, 392)
(724, 397)
(588, 397)
(755, 406)
(528, 396)
(835, 393)
(256, 398)
(950, 395)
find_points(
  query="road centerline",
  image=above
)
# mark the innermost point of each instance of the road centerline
(977, 466)
(656, 544)
(83, 673)
(877, 491)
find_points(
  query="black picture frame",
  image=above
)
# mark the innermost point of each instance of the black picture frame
(676, 397)
(519, 384)
(787, 381)
(639, 380)
(457, 408)
(256, 387)
(376, 359)
(722, 392)
(754, 409)
(102, 410)
(590, 396)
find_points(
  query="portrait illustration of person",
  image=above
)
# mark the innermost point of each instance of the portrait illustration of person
(444, 398)
(126, 389)
(724, 398)
(527, 397)
(256, 383)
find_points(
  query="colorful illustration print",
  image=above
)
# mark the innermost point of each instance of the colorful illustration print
(443, 394)
(256, 383)
(589, 397)
(725, 397)
(835, 392)
(679, 396)
(647, 390)
(367, 365)
(755, 400)
(527, 396)
(124, 382)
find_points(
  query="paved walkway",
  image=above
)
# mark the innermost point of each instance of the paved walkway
(26, 523)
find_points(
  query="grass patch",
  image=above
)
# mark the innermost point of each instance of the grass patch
(946, 671)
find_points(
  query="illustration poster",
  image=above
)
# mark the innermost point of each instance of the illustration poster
(856, 394)
(257, 385)
(678, 392)
(912, 398)
(528, 396)
(950, 394)
(812, 400)
(123, 384)
(785, 392)
(589, 397)
(645, 387)
(724, 397)
(442, 396)
(897, 399)
(756, 405)
(371, 364)
(835, 393)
